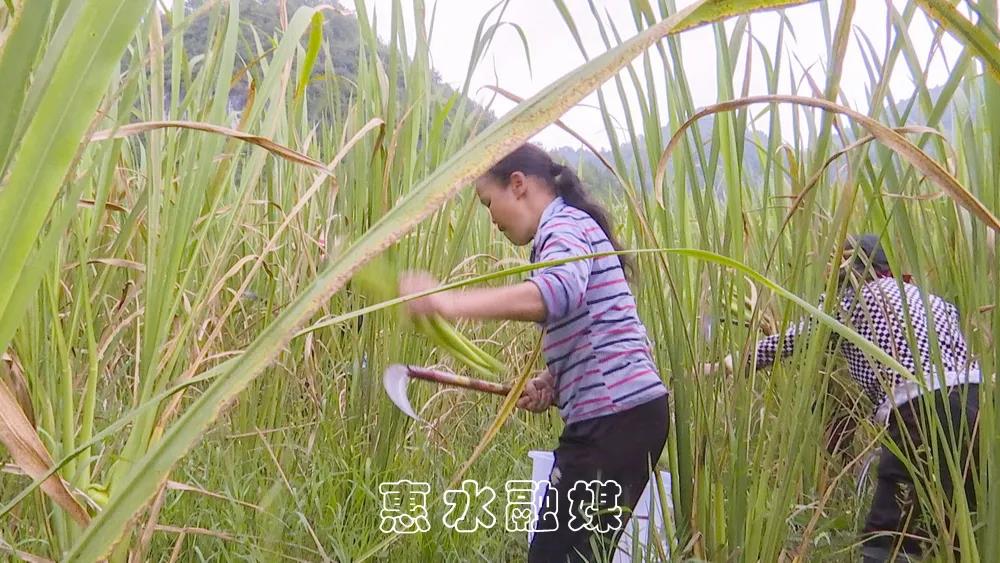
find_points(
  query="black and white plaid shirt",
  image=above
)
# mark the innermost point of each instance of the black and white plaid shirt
(877, 312)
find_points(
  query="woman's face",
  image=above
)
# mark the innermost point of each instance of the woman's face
(508, 207)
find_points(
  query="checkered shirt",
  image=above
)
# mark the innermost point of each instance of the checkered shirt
(879, 311)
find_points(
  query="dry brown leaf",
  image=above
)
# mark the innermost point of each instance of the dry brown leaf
(176, 486)
(13, 373)
(263, 142)
(19, 436)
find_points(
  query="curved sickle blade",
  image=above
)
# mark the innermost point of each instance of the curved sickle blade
(396, 379)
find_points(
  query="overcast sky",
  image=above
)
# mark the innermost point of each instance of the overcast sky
(554, 53)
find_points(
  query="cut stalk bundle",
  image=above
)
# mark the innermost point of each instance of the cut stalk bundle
(374, 282)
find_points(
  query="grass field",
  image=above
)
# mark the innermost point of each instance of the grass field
(184, 344)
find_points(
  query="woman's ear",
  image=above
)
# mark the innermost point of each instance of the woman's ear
(518, 184)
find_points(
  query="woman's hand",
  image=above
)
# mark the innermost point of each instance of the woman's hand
(418, 282)
(539, 393)
(714, 367)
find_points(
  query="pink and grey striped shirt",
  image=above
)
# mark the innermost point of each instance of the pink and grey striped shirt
(595, 346)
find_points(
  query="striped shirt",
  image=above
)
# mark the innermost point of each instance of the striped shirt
(594, 344)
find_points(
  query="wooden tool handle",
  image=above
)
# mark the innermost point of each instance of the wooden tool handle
(446, 378)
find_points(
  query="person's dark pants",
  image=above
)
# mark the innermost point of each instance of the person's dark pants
(620, 447)
(895, 524)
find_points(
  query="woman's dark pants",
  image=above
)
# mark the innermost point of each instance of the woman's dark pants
(620, 447)
(895, 523)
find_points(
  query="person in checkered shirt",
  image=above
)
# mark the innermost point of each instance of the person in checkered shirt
(922, 332)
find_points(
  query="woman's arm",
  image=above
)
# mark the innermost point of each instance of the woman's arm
(550, 294)
(767, 351)
(519, 302)
(777, 346)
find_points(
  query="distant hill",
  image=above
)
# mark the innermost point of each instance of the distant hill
(260, 21)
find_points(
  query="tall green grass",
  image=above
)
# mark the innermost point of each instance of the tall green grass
(157, 283)
(752, 483)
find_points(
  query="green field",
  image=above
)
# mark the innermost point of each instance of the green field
(187, 345)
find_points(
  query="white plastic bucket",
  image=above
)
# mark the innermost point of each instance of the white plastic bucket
(638, 524)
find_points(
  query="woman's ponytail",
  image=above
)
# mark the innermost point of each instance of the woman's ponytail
(533, 161)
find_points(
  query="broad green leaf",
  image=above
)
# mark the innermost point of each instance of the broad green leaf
(52, 136)
(17, 55)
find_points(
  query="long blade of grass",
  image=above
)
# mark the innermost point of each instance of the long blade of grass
(837, 51)
(263, 142)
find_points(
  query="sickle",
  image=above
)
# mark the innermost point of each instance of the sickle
(397, 378)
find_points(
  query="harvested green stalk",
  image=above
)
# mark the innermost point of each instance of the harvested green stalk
(373, 281)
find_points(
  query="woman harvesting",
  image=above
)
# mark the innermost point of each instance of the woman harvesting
(900, 318)
(600, 370)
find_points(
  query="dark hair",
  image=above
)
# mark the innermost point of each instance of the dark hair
(866, 257)
(531, 160)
